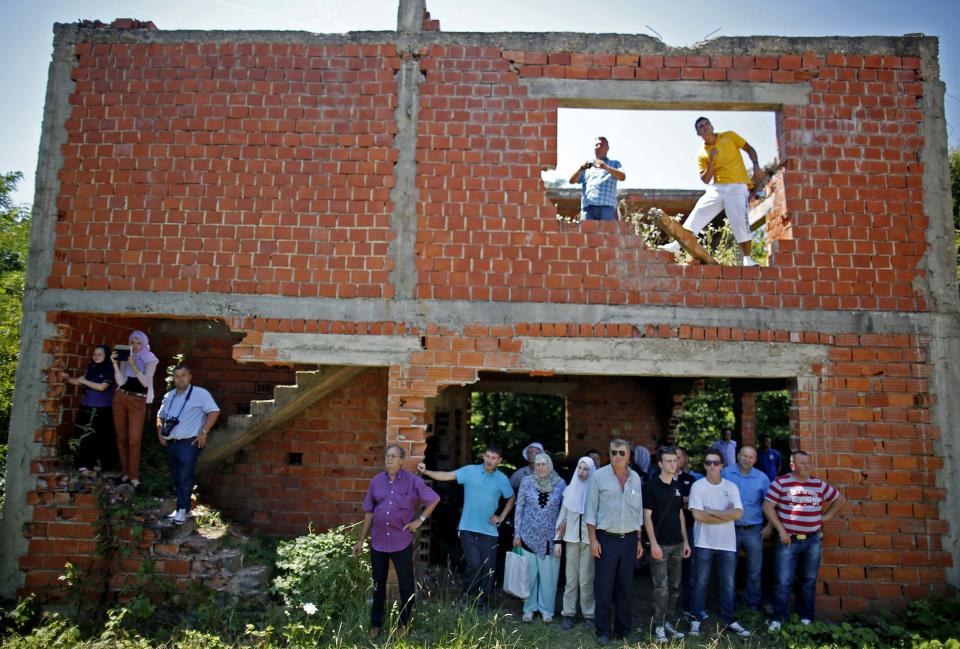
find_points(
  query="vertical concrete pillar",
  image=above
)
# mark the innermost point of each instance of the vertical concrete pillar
(30, 387)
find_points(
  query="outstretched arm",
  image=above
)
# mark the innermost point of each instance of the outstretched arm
(442, 476)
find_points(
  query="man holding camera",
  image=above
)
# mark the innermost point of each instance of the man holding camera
(186, 416)
(598, 180)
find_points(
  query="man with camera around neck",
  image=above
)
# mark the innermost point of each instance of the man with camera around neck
(186, 416)
(598, 178)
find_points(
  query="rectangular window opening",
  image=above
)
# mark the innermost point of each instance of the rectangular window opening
(658, 151)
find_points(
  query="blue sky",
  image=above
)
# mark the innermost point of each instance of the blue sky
(657, 149)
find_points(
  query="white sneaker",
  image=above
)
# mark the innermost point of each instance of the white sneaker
(747, 261)
(527, 617)
(672, 632)
(672, 247)
(172, 514)
(660, 635)
(774, 627)
(181, 517)
(694, 628)
(806, 621)
(735, 627)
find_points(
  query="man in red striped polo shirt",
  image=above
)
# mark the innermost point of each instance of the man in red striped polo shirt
(794, 505)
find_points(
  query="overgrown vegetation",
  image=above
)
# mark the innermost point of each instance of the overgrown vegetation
(14, 242)
(319, 570)
(438, 622)
(718, 240)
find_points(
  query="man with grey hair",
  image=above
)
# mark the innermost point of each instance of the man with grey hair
(392, 520)
(614, 517)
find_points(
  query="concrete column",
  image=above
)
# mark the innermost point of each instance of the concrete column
(30, 388)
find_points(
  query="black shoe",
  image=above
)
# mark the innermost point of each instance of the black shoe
(603, 640)
(588, 624)
(567, 623)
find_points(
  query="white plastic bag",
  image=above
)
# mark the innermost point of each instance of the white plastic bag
(516, 578)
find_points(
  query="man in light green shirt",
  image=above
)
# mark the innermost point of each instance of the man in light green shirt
(614, 517)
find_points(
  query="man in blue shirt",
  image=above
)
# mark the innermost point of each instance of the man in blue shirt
(753, 485)
(769, 460)
(483, 486)
(598, 182)
(186, 416)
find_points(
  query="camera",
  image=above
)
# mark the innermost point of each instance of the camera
(168, 425)
(123, 352)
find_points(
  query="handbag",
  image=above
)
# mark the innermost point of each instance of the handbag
(516, 578)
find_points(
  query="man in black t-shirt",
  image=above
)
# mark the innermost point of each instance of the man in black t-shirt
(666, 528)
(686, 478)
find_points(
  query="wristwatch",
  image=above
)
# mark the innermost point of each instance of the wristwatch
(422, 519)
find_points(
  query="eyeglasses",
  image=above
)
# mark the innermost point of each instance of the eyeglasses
(618, 451)
(712, 462)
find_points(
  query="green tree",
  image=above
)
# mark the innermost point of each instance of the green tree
(14, 235)
(512, 421)
(705, 414)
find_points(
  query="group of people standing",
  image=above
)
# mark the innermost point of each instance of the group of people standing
(720, 166)
(113, 410)
(603, 521)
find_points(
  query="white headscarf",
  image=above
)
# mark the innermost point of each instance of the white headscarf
(575, 495)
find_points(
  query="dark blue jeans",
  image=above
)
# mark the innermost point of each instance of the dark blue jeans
(613, 583)
(480, 553)
(726, 562)
(801, 559)
(599, 213)
(750, 542)
(182, 460)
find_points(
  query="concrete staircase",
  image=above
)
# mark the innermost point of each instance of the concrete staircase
(288, 402)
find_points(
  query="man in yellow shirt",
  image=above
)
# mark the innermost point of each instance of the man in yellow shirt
(721, 164)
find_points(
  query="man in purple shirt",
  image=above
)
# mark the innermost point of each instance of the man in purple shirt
(391, 521)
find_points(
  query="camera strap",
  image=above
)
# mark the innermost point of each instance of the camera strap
(184, 404)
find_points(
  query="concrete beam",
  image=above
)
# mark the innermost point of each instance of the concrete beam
(453, 314)
(534, 41)
(669, 95)
(342, 349)
(669, 357)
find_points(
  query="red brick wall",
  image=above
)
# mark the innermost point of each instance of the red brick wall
(231, 167)
(606, 408)
(341, 439)
(266, 168)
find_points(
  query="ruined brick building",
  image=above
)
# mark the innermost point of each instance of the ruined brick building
(348, 233)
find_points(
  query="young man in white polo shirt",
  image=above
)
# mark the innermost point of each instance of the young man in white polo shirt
(715, 504)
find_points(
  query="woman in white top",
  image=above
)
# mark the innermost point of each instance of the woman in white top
(572, 530)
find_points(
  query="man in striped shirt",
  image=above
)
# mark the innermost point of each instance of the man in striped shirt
(794, 505)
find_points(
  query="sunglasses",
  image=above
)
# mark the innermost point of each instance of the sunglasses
(712, 462)
(618, 451)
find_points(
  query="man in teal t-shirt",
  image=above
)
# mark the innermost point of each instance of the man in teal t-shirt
(483, 486)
